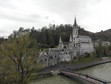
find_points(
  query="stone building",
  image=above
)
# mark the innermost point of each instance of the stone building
(105, 43)
(76, 47)
(21, 31)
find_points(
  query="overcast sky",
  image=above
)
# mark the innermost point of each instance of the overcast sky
(93, 15)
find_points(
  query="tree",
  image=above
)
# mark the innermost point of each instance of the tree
(47, 37)
(18, 59)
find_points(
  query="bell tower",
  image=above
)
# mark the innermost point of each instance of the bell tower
(75, 29)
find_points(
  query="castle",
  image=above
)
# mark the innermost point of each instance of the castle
(21, 31)
(76, 47)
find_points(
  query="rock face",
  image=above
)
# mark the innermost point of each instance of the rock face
(77, 46)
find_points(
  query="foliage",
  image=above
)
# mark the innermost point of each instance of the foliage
(86, 59)
(48, 36)
(18, 56)
(103, 51)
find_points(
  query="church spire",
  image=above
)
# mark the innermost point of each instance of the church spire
(60, 41)
(70, 40)
(75, 29)
(75, 22)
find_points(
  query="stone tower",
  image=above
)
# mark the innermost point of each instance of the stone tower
(75, 34)
(75, 30)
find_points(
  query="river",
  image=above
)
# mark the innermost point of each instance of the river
(102, 71)
(55, 80)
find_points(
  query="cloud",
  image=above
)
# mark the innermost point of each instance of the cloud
(39, 13)
(17, 18)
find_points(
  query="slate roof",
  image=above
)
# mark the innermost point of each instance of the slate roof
(66, 43)
(80, 36)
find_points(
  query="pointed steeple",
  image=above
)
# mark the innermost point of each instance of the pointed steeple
(60, 41)
(70, 40)
(75, 23)
(75, 29)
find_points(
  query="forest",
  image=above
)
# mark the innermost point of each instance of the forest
(49, 36)
(18, 55)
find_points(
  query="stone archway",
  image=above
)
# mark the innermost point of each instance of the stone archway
(51, 61)
(55, 60)
(45, 62)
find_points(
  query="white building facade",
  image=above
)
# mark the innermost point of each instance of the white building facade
(80, 43)
(77, 46)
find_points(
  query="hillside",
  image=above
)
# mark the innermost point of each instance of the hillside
(104, 35)
(49, 36)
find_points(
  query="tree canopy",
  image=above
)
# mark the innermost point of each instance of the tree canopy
(18, 56)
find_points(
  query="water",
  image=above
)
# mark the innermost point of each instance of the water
(55, 80)
(101, 71)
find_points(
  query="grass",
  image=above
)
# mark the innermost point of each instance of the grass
(84, 60)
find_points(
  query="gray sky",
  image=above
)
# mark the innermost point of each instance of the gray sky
(93, 15)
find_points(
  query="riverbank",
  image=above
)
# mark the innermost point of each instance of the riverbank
(88, 64)
(35, 76)
(102, 71)
(55, 80)
(49, 71)
(75, 66)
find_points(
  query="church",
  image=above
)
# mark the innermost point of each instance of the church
(77, 46)
(79, 42)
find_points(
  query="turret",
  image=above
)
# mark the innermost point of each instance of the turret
(70, 40)
(60, 43)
